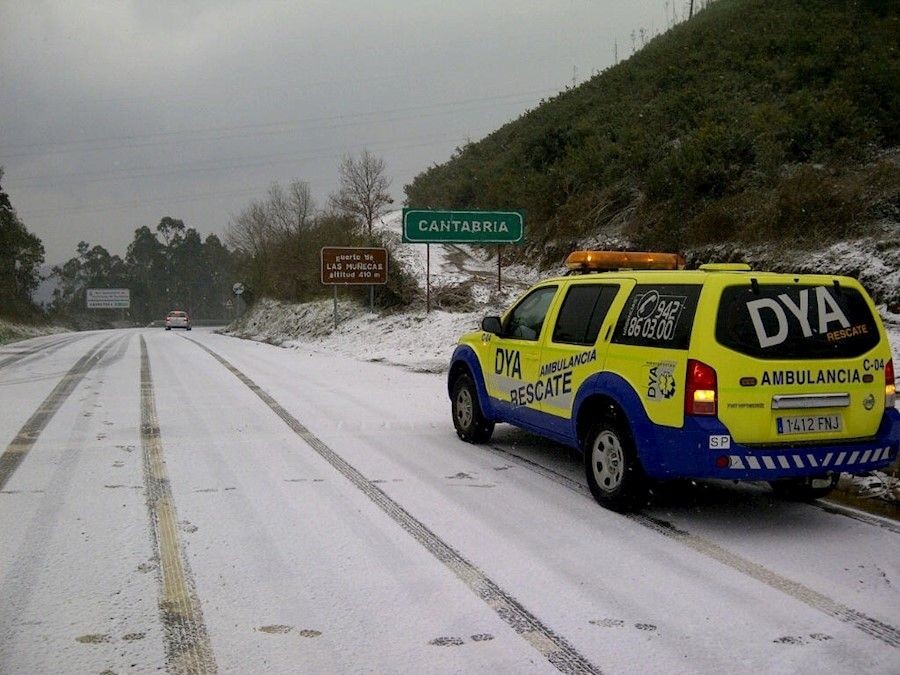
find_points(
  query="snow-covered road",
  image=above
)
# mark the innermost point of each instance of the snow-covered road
(192, 502)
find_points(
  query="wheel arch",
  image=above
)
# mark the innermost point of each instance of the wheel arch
(595, 407)
(609, 395)
(465, 361)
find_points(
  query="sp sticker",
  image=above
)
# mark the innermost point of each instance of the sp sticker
(661, 381)
(719, 442)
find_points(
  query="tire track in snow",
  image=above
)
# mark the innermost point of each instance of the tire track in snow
(872, 627)
(563, 656)
(874, 521)
(187, 645)
(21, 445)
(21, 579)
(43, 349)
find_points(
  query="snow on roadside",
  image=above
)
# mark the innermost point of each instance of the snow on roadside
(11, 332)
(415, 340)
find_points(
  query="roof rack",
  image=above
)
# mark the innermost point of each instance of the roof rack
(725, 267)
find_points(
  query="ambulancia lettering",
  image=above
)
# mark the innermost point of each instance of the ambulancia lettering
(567, 363)
(786, 312)
(829, 376)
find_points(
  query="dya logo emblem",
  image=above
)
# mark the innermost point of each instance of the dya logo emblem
(661, 384)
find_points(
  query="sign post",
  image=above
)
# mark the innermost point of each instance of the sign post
(353, 266)
(428, 226)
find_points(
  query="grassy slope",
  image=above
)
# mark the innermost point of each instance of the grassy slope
(756, 120)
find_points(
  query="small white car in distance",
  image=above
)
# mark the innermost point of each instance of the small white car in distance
(178, 319)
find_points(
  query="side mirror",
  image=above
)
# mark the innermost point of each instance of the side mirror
(491, 324)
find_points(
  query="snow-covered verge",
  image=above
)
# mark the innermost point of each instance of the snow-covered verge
(419, 341)
(11, 332)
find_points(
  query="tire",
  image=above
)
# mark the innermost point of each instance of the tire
(168, 328)
(613, 471)
(802, 489)
(471, 424)
(188, 327)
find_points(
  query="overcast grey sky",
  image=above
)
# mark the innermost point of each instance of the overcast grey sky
(115, 114)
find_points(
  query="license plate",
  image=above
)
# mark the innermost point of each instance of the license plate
(808, 424)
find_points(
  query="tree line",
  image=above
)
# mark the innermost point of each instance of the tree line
(271, 246)
(21, 257)
(169, 268)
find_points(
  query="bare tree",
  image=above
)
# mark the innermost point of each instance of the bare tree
(251, 231)
(291, 211)
(363, 191)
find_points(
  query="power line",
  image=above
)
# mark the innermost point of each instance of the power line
(94, 208)
(262, 129)
(212, 165)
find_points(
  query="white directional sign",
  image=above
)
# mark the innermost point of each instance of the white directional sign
(238, 288)
(108, 298)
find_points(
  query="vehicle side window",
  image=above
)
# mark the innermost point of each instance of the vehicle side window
(658, 315)
(582, 313)
(527, 318)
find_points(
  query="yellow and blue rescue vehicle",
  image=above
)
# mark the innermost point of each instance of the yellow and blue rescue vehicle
(656, 372)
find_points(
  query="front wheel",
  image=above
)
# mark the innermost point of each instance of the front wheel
(805, 489)
(471, 424)
(614, 474)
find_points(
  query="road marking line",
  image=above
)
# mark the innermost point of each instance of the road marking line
(871, 627)
(187, 644)
(28, 434)
(563, 656)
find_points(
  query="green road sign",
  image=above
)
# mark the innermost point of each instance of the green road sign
(424, 226)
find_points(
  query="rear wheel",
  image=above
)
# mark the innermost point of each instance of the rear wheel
(471, 424)
(168, 328)
(805, 489)
(614, 474)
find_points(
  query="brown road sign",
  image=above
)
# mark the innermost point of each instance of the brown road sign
(348, 266)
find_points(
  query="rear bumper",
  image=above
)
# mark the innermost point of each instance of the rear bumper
(686, 453)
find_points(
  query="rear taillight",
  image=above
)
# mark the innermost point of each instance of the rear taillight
(701, 389)
(890, 385)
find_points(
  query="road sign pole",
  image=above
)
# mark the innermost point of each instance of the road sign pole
(371, 298)
(499, 264)
(427, 278)
(335, 307)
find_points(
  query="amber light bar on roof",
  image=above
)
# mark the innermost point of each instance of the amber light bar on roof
(595, 261)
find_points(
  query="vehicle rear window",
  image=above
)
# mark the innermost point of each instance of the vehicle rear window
(658, 315)
(790, 321)
(582, 312)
